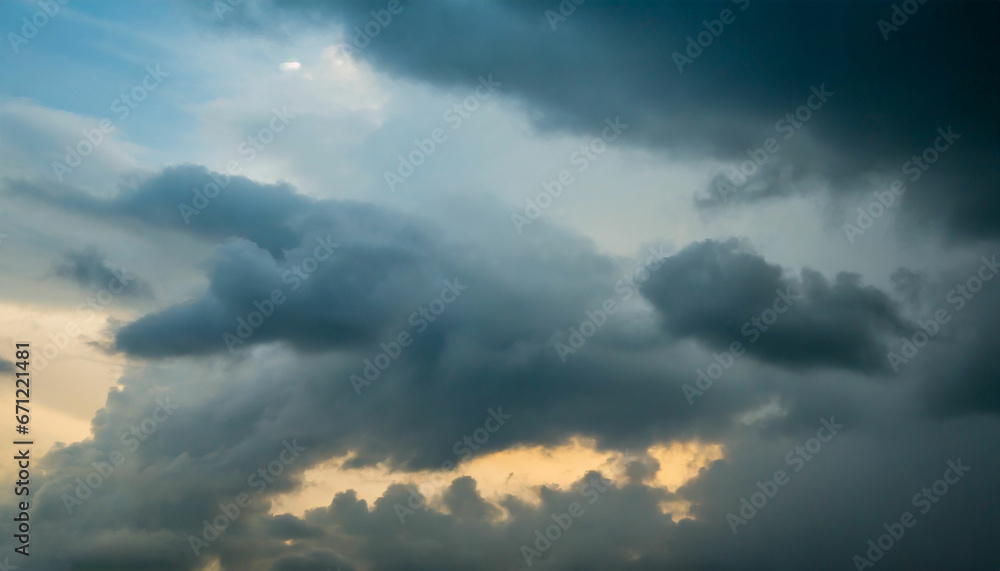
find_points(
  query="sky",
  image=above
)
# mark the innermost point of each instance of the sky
(500, 285)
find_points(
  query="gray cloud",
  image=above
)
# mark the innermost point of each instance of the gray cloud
(719, 294)
(495, 345)
(167, 491)
(612, 58)
(89, 269)
(240, 207)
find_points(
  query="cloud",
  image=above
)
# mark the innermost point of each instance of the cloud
(611, 59)
(720, 294)
(89, 269)
(352, 276)
(487, 348)
(956, 366)
(814, 520)
(494, 347)
(42, 135)
(241, 208)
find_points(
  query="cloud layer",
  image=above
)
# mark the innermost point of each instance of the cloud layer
(293, 330)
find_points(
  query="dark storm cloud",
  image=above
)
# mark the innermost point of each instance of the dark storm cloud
(359, 275)
(229, 424)
(488, 348)
(607, 59)
(356, 274)
(961, 376)
(352, 273)
(866, 476)
(464, 502)
(89, 269)
(316, 309)
(382, 267)
(957, 365)
(718, 293)
(493, 348)
(176, 198)
(820, 520)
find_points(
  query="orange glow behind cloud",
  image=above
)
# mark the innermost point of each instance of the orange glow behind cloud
(518, 472)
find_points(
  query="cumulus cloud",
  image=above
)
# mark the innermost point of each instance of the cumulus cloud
(492, 347)
(248, 379)
(720, 294)
(173, 481)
